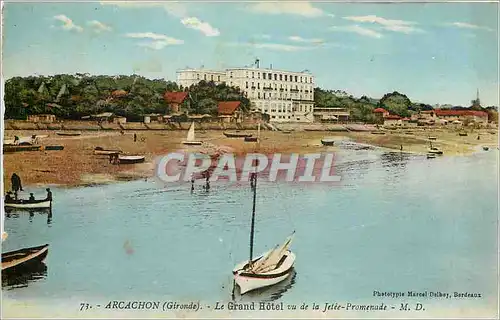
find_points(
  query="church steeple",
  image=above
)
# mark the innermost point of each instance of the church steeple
(476, 103)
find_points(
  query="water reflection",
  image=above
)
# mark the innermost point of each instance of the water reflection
(14, 214)
(20, 278)
(271, 293)
(395, 159)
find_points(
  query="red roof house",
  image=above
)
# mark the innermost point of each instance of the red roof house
(229, 110)
(380, 110)
(175, 99)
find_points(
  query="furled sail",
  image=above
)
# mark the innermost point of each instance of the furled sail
(190, 136)
(269, 261)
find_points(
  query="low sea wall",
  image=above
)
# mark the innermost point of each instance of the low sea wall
(136, 126)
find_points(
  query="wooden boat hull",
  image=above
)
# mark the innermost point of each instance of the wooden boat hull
(431, 156)
(237, 135)
(26, 204)
(435, 151)
(10, 149)
(68, 134)
(106, 152)
(378, 132)
(327, 142)
(192, 143)
(54, 148)
(250, 139)
(131, 159)
(252, 281)
(463, 134)
(24, 258)
(486, 148)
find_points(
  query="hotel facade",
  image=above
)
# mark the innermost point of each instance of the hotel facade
(285, 96)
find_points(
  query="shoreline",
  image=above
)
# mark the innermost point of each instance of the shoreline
(77, 166)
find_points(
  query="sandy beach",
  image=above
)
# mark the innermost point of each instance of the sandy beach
(77, 164)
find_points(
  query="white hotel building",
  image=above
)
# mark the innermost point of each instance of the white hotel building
(285, 96)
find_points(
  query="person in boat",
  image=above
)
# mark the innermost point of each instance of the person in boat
(49, 194)
(31, 198)
(8, 197)
(16, 183)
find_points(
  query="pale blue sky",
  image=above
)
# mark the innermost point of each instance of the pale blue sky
(435, 53)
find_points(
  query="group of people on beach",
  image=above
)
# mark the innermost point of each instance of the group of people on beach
(17, 186)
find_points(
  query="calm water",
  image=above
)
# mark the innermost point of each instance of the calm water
(396, 222)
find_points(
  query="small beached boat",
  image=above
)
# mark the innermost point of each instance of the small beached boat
(190, 140)
(286, 132)
(237, 135)
(250, 139)
(107, 152)
(462, 134)
(485, 148)
(327, 142)
(53, 148)
(432, 138)
(11, 148)
(24, 258)
(434, 150)
(28, 204)
(378, 132)
(131, 159)
(431, 156)
(69, 134)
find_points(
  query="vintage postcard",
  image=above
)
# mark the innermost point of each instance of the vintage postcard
(286, 159)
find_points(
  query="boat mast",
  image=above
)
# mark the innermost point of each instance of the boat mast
(252, 228)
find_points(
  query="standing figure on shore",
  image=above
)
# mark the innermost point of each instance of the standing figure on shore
(135, 137)
(16, 183)
(49, 194)
(32, 197)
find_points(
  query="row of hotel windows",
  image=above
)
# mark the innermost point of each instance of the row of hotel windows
(270, 95)
(281, 77)
(288, 108)
(206, 79)
(286, 88)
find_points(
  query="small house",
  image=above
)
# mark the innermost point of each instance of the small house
(380, 113)
(174, 100)
(392, 120)
(229, 111)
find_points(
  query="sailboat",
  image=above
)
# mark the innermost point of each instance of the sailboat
(190, 137)
(267, 269)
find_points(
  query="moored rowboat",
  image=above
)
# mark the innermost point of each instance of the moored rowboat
(101, 151)
(69, 134)
(237, 135)
(27, 204)
(9, 148)
(131, 159)
(327, 142)
(23, 258)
